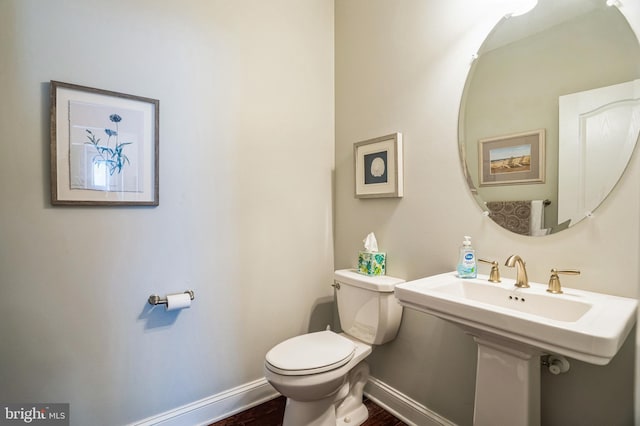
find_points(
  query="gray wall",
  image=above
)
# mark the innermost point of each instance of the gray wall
(401, 66)
(245, 215)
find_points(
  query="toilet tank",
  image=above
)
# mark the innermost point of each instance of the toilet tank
(367, 307)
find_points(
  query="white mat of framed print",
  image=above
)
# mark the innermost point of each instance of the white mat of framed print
(104, 147)
(378, 167)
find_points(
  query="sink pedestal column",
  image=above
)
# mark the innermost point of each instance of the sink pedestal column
(507, 384)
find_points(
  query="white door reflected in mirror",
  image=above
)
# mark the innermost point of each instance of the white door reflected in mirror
(588, 158)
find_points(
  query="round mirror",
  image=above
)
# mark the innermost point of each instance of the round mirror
(550, 114)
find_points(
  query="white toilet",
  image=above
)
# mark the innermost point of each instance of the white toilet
(323, 374)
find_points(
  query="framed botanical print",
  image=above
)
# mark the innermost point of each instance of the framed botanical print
(104, 147)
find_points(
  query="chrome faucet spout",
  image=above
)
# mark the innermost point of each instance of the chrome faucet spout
(522, 281)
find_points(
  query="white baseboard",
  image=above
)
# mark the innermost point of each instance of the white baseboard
(215, 407)
(227, 403)
(401, 406)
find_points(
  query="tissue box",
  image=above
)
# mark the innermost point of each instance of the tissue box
(372, 263)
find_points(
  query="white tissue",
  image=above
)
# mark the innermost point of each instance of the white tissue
(178, 301)
(370, 243)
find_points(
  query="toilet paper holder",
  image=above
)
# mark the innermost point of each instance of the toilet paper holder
(154, 299)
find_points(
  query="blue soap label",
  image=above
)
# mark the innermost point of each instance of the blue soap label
(467, 264)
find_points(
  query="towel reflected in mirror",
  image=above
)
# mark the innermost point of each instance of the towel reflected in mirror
(525, 217)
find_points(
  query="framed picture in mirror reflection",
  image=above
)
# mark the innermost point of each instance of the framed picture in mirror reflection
(512, 159)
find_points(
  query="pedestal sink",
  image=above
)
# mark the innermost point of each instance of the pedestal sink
(513, 327)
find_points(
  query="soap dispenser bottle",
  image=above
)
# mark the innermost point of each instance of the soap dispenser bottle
(467, 260)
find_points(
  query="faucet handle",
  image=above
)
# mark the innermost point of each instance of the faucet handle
(554, 280)
(494, 275)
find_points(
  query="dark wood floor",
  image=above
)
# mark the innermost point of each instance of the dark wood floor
(270, 414)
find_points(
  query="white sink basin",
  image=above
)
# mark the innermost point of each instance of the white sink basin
(583, 325)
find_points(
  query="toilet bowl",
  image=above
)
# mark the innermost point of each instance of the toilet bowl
(323, 374)
(312, 394)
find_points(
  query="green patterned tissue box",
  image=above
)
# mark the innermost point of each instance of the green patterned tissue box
(372, 263)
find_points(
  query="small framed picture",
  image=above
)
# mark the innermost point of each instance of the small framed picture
(104, 147)
(512, 159)
(378, 167)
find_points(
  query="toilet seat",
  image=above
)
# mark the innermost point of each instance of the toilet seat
(310, 354)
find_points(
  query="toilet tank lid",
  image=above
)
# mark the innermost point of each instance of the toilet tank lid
(381, 283)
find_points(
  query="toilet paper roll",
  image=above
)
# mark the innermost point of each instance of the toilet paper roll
(178, 301)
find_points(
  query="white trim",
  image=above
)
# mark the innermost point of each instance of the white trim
(232, 401)
(215, 407)
(404, 408)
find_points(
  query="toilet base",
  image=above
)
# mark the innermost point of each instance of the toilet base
(355, 418)
(316, 413)
(344, 408)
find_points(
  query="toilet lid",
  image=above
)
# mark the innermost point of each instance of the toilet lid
(310, 354)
